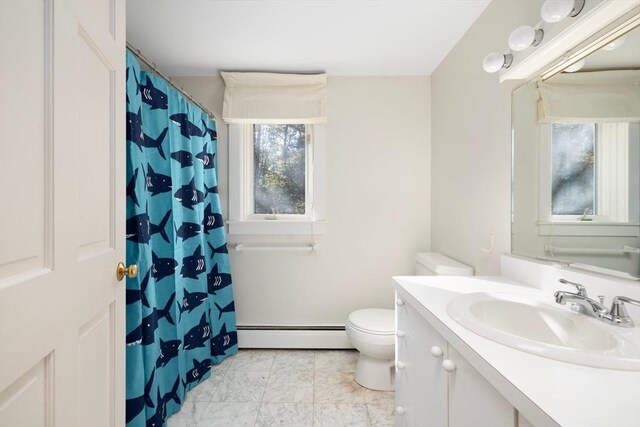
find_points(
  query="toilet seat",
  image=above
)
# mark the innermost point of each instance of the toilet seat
(374, 321)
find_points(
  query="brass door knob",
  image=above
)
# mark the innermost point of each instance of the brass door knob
(130, 272)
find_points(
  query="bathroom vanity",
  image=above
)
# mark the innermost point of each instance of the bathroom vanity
(447, 375)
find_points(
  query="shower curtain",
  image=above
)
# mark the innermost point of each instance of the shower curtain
(180, 308)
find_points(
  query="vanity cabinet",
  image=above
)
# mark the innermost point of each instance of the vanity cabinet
(435, 385)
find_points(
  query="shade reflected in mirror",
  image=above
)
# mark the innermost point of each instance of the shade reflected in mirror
(576, 162)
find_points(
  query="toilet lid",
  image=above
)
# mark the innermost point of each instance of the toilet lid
(374, 320)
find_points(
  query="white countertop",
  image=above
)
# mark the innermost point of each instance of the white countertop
(545, 391)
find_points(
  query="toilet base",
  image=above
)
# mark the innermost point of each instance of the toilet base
(375, 374)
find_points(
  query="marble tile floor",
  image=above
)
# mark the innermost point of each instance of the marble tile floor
(293, 388)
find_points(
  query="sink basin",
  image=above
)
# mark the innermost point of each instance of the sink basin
(537, 325)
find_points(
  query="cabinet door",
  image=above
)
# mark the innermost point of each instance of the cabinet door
(473, 402)
(421, 384)
(404, 352)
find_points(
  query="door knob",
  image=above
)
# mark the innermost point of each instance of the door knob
(130, 272)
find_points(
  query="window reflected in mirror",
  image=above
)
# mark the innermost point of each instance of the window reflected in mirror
(576, 162)
(573, 157)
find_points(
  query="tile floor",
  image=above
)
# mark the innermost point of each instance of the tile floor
(294, 388)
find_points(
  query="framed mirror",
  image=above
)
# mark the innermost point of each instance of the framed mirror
(576, 162)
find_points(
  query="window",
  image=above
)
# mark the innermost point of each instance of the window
(573, 157)
(276, 179)
(281, 165)
(585, 172)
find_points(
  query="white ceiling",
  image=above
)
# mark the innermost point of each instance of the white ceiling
(341, 37)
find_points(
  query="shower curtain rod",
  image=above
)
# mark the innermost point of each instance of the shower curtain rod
(138, 54)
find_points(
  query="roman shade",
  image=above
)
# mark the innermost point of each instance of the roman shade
(274, 98)
(594, 96)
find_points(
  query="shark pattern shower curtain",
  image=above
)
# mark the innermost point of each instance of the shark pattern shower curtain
(180, 308)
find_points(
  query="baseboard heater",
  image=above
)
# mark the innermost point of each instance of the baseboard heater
(302, 337)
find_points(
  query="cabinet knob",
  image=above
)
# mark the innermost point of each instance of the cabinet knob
(436, 351)
(400, 365)
(448, 365)
(400, 334)
(399, 302)
(400, 410)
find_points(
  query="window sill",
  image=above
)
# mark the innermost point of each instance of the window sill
(588, 228)
(282, 227)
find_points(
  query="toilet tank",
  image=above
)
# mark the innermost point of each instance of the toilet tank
(436, 264)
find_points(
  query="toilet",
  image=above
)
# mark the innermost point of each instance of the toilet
(372, 330)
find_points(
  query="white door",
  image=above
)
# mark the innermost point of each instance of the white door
(62, 196)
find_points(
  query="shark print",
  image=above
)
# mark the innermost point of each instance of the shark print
(140, 229)
(223, 341)
(157, 419)
(210, 190)
(168, 351)
(145, 333)
(191, 301)
(212, 132)
(219, 250)
(134, 126)
(131, 188)
(198, 335)
(193, 265)
(187, 129)
(211, 219)
(126, 79)
(135, 295)
(185, 158)
(156, 183)
(175, 233)
(137, 404)
(152, 96)
(217, 281)
(198, 371)
(162, 267)
(206, 158)
(229, 308)
(189, 195)
(145, 141)
(188, 230)
(173, 393)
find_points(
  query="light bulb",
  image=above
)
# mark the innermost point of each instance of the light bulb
(556, 10)
(523, 37)
(495, 61)
(575, 66)
(616, 43)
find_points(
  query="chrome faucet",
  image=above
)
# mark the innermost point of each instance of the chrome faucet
(581, 303)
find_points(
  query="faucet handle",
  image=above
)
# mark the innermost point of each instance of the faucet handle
(619, 313)
(581, 289)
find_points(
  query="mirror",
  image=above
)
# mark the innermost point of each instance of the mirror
(576, 162)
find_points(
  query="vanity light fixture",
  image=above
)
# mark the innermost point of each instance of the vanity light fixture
(556, 10)
(525, 36)
(616, 43)
(495, 61)
(572, 69)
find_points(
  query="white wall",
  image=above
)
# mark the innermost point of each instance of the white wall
(471, 141)
(378, 161)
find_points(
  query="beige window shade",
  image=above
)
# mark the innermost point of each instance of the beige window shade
(274, 98)
(595, 96)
